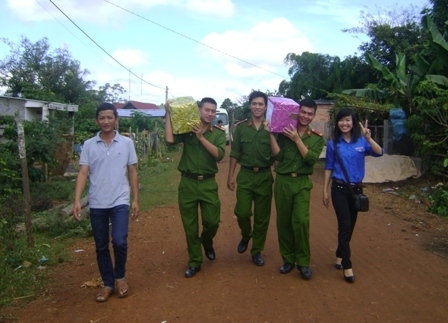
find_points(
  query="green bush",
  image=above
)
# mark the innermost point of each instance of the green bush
(439, 201)
(59, 189)
(57, 226)
(13, 209)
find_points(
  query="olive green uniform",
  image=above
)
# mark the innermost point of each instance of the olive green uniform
(252, 149)
(292, 196)
(198, 187)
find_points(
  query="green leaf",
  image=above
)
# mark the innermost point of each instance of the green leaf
(438, 79)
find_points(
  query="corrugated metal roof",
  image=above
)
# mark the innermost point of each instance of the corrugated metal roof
(151, 112)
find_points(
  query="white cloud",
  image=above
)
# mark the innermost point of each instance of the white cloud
(266, 45)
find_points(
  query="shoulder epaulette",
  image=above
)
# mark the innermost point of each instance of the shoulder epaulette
(317, 132)
(218, 127)
(240, 122)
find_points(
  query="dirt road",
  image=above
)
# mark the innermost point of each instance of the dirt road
(398, 279)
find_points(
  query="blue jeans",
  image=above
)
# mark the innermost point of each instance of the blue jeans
(119, 219)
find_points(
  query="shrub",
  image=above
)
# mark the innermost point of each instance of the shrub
(439, 201)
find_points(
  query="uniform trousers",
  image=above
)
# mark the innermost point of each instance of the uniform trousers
(292, 202)
(343, 203)
(192, 195)
(254, 187)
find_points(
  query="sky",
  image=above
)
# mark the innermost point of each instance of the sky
(200, 48)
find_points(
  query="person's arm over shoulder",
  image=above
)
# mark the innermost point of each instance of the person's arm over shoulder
(277, 143)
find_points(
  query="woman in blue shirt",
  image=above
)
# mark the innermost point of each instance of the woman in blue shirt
(353, 142)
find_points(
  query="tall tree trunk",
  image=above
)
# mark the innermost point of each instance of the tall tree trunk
(25, 182)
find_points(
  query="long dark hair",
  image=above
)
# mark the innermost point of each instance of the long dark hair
(355, 133)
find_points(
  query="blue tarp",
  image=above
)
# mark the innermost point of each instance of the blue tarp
(398, 118)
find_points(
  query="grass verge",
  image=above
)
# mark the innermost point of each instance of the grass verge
(159, 180)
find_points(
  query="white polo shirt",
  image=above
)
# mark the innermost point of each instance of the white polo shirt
(108, 165)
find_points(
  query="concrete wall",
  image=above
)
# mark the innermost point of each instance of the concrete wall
(11, 106)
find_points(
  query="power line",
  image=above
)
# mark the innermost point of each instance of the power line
(163, 88)
(194, 40)
(60, 22)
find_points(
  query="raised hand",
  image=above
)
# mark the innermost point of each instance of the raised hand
(365, 130)
(291, 133)
(267, 126)
(197, 129)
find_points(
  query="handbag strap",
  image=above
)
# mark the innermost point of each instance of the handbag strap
(347, 179)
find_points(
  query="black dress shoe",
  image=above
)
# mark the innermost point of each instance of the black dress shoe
(258, 259)
(349, 279)
(338, 266)
(286, 268)
(210, 253)
(305, 272)
(242, 246)
(191, 271)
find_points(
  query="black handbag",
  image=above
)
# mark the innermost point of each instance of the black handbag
(361, 201)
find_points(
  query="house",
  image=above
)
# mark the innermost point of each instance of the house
(126, 109)
(136, 105)
(32, 110)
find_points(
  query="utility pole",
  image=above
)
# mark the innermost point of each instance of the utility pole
(166, 93)
(129, 85)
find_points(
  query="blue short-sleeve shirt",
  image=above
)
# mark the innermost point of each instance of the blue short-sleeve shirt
(352, 154)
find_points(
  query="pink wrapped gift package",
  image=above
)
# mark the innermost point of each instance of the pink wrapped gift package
(281, 113)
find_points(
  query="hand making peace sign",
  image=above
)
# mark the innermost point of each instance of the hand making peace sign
(365, 130)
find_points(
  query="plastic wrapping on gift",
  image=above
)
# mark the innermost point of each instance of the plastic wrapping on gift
(281, 113)
(184, 114)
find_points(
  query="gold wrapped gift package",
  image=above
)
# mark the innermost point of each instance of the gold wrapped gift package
(184, 114)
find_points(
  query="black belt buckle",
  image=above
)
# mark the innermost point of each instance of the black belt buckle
(200, 177)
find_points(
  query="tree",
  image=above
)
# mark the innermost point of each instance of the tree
(390, 32)
(439, 15)
(230, 107)
(111, 93)
(316, 75)
(436, 53)
(32, 71)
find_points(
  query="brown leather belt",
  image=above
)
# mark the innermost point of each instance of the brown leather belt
(197, 177)
(255, 169)
(293, 174)
(345, 184)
